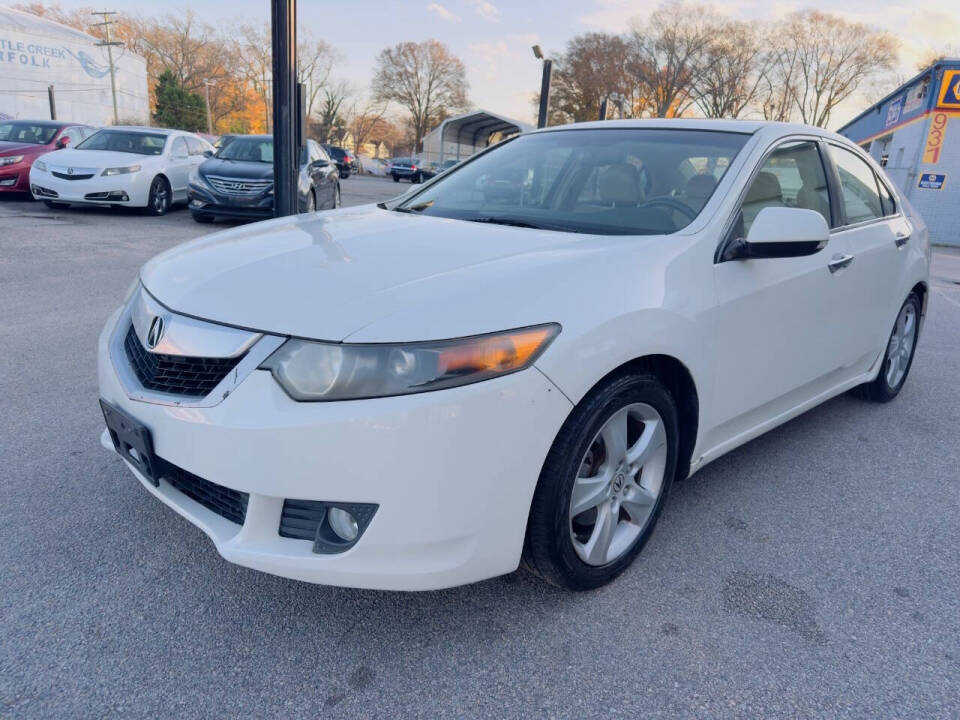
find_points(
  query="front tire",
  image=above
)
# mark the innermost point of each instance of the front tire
(158, 202)
(336, 197)
(603, 484)
(898, 357)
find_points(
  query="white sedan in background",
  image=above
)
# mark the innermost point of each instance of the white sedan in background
(517, 359)
(121, 166)
(374, 166)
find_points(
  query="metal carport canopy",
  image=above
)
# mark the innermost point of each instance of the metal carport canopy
(474, 125)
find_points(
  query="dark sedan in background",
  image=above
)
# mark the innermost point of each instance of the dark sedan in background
(237, 182)
(23, 141)
(409, 169)
(346, 161)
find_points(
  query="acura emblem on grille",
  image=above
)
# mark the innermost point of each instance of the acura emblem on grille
(69, 171)
(155, 332)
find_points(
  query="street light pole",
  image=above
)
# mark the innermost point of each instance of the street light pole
(283, 29)
(544, 86)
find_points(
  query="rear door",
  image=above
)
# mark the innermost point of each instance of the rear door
(777, 339)
(876, 233)
(179, 166)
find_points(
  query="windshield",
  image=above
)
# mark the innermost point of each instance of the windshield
(605, 181)
(248, 150)
(124, 141)
(24, 132)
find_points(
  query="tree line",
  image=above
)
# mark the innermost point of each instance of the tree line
(690, 60)
(683, 60)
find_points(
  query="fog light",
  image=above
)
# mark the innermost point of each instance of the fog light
(8, 182)
(343, 524)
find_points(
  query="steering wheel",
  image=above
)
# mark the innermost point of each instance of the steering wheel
(672, 204)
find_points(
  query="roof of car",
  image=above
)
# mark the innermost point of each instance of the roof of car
(42, 123)
(738, 126)
(140, 128)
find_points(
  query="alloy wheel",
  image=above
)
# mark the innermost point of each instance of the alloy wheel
(618, 484)
(900, 347)
(160, 196)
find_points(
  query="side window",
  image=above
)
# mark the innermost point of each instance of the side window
(886, 199)
(858, 185)
(791, 176)
(179, 147)
(195, 145)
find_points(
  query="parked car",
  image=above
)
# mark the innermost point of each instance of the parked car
(375, 166)
(407, 169)
(23, 141)
(421, 394)
(447, 164)
(344, 160)
(121, 166)
(237, 182)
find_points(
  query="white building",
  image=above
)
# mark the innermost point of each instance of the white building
(36, 53)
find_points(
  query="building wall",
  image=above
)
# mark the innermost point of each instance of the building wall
(35, 53)
(914, 134)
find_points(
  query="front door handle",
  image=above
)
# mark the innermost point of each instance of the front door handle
(838, 262)
(902, 239)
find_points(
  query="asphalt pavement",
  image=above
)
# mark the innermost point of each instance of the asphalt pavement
(811, 573)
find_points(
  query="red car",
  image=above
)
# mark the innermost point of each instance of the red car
(23, 141)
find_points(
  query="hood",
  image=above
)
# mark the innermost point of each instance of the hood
(237, 169)
(391, 275)
(15, 148)
(96, 158)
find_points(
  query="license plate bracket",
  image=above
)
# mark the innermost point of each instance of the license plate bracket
(132, 440)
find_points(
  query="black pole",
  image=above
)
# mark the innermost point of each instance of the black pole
(283, 27)
(53, 102)
(545, 93)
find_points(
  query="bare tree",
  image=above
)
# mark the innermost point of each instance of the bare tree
(316, 60)
(591, 69)
(821, 61)
(425, 79)
(667, 53)
(327, 121)
(362, 120)
(733, 72)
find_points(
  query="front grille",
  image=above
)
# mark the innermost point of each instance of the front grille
(238, 186)
(227, 503)
(64, 176)
(301, 518)
(177, 374)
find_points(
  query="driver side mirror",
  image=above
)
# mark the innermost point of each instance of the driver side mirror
(63, 142)
(319, 163)
(781, 232)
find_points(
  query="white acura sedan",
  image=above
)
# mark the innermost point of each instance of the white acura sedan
(121, 166)
(513, 362)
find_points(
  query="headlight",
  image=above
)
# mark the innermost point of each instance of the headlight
(10, 160)
(311, 371)
(40, 165)
(121, 170)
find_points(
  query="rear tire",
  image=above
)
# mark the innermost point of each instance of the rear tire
(396, 178)
(158, 203)
(569, 548)
(898, 355)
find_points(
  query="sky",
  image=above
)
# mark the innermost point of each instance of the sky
(494, 37)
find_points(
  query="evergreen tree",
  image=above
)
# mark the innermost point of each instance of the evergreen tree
(177, 107)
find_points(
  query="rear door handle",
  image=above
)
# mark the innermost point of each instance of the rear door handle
(838, 262)
(902, 239)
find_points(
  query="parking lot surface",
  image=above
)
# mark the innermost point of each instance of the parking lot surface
(812, 572)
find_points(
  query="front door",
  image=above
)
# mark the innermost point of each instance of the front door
(779, 328)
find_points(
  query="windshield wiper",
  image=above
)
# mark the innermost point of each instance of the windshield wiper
(511, 222)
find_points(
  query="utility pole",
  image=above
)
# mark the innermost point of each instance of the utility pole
(206, 87)
(109, 45)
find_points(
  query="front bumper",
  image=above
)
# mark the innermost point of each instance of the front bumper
(206, 201)
(15, 178)
(453, 473)
(135, 185)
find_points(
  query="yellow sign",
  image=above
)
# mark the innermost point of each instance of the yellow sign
(935, 138)
(950, 90)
